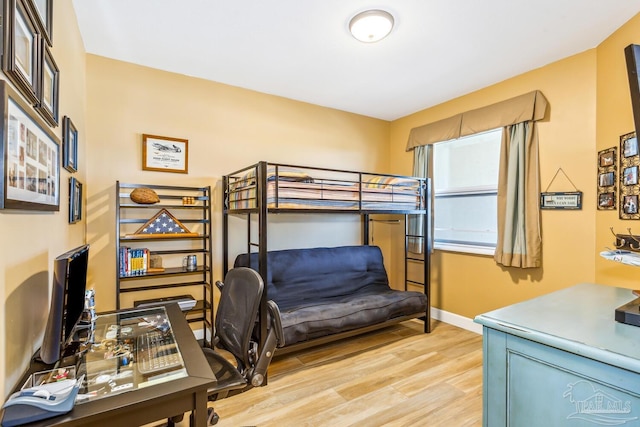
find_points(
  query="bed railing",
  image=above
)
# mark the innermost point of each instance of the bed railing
(296, 188)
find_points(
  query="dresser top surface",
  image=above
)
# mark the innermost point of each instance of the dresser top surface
(580, 319)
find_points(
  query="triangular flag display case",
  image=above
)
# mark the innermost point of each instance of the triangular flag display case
(154, 242)
(163, 224)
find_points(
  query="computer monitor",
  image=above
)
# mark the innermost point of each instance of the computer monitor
(632, 56)
(67, 302)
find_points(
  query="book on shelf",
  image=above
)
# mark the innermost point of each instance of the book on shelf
(134, 261)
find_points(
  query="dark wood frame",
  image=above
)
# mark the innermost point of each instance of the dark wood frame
(35, 132)
(28, 85)
(70, 145)
(147, 166)
(44, 19)
(48, 112)
(75, 200)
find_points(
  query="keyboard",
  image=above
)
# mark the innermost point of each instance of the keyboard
(156, 352)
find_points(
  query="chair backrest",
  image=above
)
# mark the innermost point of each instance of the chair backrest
(237, 311)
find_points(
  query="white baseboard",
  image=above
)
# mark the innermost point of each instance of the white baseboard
(456, 320)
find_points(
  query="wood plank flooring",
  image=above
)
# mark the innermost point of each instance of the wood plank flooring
(398, 376)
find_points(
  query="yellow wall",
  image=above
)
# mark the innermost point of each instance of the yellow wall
(590, 107)
(468, 285)
(31, 239)
(228, 128)
(112, 103)
(614, 118)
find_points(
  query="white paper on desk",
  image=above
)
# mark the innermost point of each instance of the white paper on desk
(624, 257)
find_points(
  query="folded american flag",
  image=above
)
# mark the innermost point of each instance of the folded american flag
(163, 223)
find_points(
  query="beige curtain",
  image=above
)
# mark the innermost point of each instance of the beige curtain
(421, 168)
(531, 106)
(519, 236)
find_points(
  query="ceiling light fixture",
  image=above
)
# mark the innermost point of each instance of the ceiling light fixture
(371, 25)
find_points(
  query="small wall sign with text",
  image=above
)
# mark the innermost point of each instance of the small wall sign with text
(563, 200)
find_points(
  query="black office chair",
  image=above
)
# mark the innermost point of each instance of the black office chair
(236, 318)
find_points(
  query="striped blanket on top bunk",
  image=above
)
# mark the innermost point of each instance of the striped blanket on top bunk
(312, 188)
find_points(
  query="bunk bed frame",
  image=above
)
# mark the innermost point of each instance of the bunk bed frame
(258, 187)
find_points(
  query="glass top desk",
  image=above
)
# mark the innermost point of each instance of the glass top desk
(129, 381)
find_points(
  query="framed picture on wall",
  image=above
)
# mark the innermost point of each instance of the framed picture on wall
(629, 144)
(75, 200)
(630, 175)
(21, 48)
(629, 166)
(43, 11)
(630, 204)
(606, 200)
(607, 157)
(607, 178)
(165, 154)
(69, 145)
(30, 168)
(48, 88)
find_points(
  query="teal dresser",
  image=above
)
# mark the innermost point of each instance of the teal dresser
(562, 360)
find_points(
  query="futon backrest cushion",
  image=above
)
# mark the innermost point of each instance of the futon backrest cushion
(298, 277)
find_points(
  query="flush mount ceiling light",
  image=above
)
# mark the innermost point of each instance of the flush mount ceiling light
(371, 25)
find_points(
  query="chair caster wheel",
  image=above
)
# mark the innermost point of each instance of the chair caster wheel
(212, 417)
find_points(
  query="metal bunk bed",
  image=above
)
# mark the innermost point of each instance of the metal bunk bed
(262, 189)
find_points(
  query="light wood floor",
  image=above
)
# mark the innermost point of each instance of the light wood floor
(395, 377)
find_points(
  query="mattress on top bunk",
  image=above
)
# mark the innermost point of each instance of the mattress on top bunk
(291, 189)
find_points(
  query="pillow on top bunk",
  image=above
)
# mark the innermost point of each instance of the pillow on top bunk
(284, 174)
(382, 181)
(288, 174)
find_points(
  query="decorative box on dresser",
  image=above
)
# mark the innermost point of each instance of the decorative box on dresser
(562, 360)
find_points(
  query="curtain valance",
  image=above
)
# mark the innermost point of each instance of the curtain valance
(531, 106)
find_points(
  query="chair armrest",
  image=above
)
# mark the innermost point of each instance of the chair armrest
(275, 322)
(274, 339)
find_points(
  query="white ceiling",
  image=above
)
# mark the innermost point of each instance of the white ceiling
(302, 50)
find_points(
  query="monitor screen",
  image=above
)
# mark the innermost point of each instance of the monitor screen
(67, 301)
(632, 56)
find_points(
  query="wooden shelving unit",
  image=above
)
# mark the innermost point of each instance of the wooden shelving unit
(174, 280)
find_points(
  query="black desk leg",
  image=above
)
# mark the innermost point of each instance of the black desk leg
(199, 416)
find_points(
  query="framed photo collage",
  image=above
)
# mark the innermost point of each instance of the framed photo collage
(620, 192)
(31, 152)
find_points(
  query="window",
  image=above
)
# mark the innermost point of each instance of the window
(465, 177)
